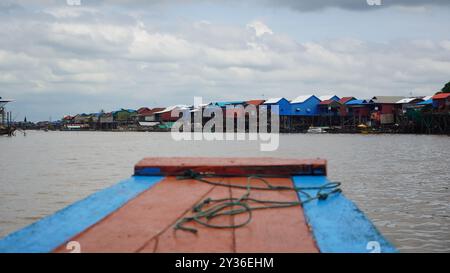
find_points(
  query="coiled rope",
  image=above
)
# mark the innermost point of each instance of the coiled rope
(209, 208)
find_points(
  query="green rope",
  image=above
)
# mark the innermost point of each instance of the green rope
(210, 208)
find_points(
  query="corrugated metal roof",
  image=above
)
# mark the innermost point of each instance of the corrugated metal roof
(143, 109)
(387, 99)
(301, 99)
(427, 102)
(326, 97)
(255, 102)
(171, 108)
(328, 102)
(225, 103)
(356, 102)
(273, 100)
(344, 100)
(152, 111)
(407, 100)
(441, 96)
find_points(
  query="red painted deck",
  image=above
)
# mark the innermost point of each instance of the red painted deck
(145, 224)
(173, 166)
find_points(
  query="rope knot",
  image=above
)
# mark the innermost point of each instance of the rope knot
(322, 196)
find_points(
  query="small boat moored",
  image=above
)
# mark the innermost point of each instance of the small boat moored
(317, 130)
(6, 127)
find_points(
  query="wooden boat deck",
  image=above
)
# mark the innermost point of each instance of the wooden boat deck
(146, 223)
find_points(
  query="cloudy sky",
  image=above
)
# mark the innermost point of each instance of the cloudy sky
(58, 59)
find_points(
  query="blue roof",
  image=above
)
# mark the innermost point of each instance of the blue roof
(225, 103)
(427, 102)
(356, 102)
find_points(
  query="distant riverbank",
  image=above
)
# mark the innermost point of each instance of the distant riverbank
(310, 130)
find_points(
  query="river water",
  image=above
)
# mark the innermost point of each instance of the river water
(400, 181)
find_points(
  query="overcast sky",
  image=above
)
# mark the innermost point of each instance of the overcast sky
(58, 59)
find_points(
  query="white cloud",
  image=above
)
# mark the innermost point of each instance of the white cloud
(12, 60)
(260, 28)
(159, 46)
(445, 45)
(128, 63)
(94, 37)
(69, 12)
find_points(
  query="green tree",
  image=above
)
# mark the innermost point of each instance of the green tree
(446, 88)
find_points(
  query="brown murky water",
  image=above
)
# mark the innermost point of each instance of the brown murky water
(400, 181)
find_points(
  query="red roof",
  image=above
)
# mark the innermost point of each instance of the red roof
(151, 111)
(344, 100)
(441, 96)
(255, 102)
(143, 110)
(326, 102)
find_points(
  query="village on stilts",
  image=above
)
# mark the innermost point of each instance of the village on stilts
(305, 113)
(308, 113)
